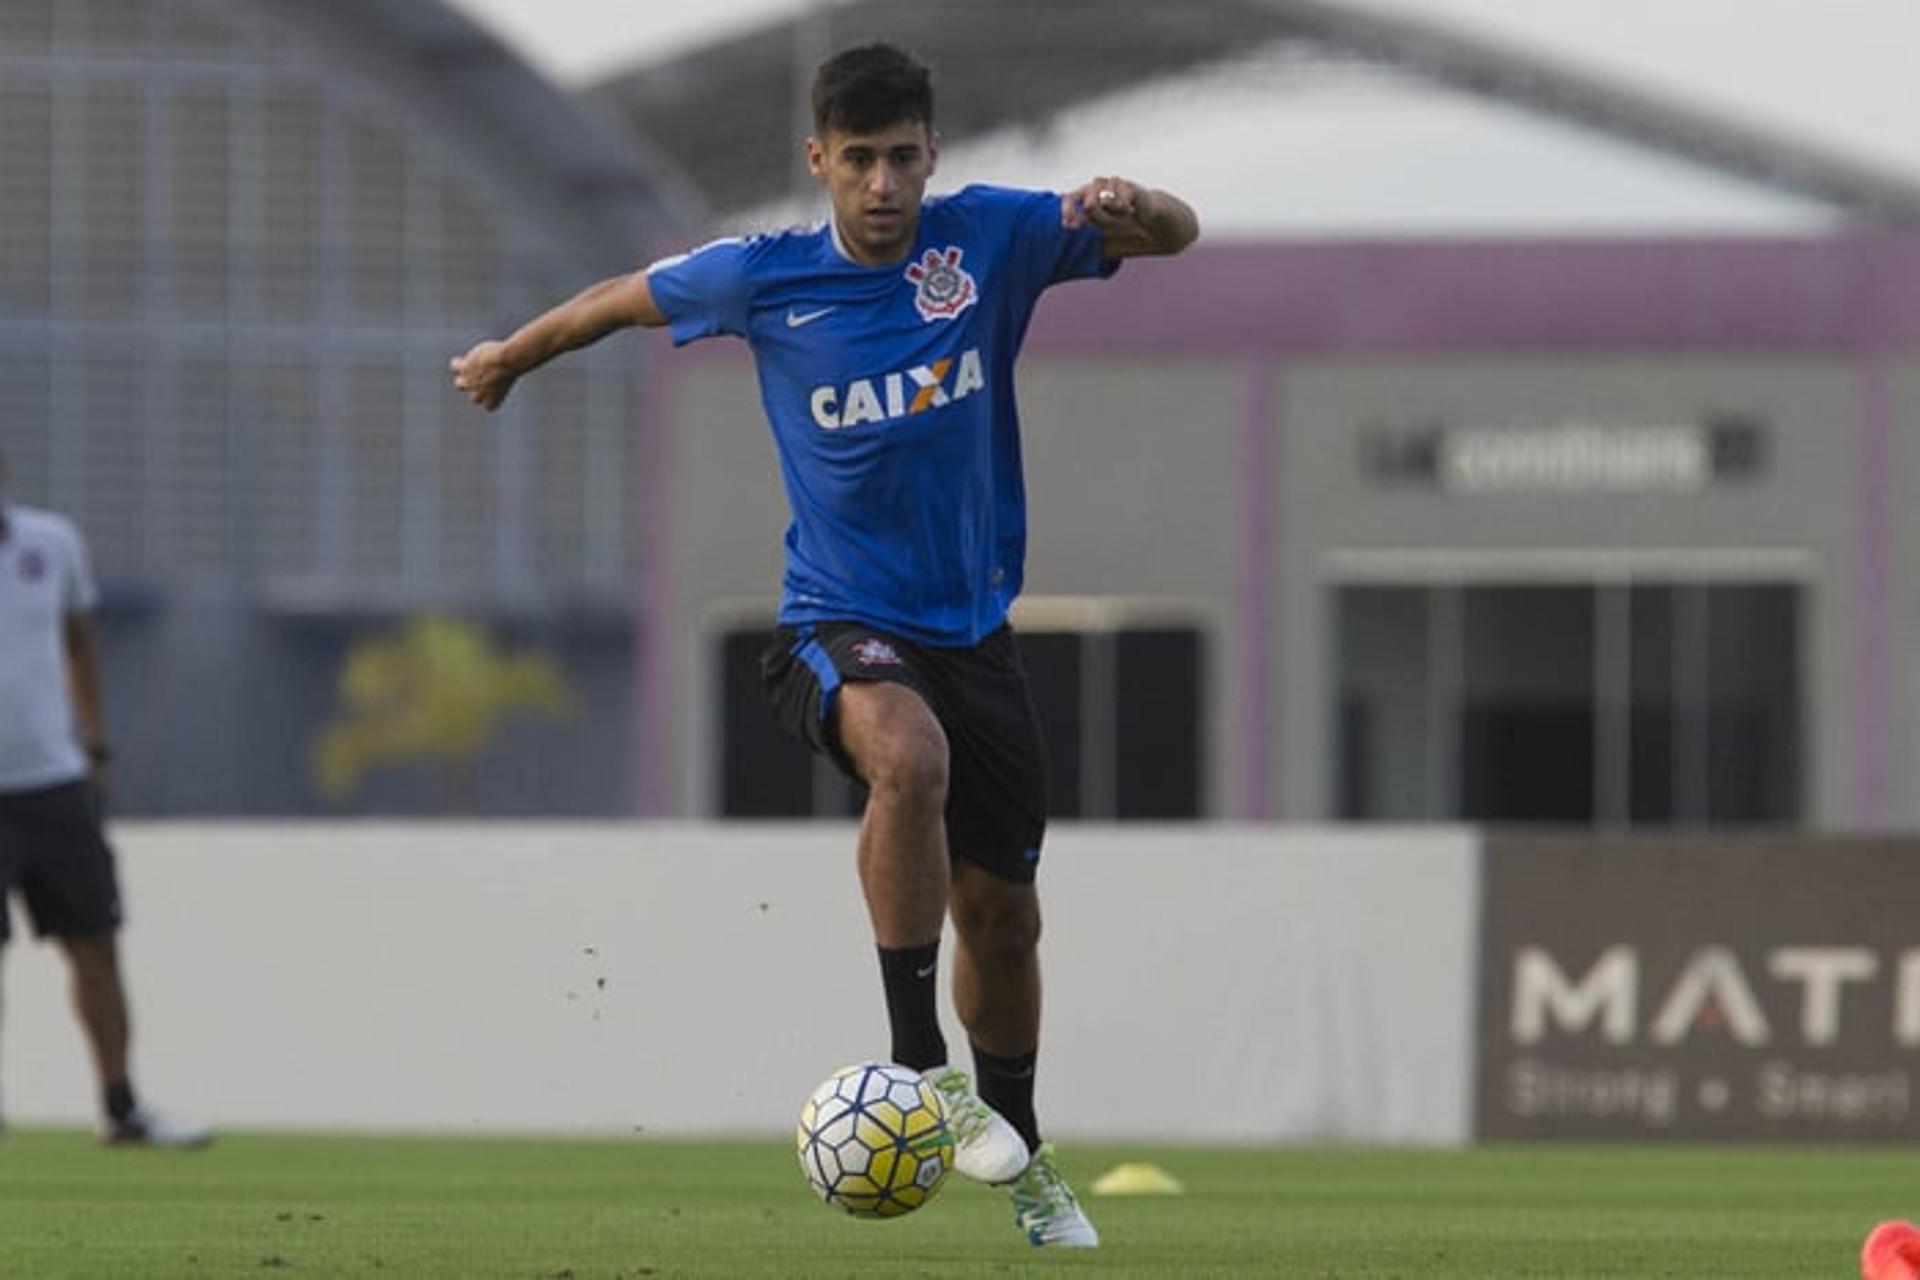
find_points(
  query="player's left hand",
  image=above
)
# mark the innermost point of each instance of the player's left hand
(1107, 202)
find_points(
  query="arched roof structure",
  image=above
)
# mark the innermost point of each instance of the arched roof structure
(730, 113)
(595, 185)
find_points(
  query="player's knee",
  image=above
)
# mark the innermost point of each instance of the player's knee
(911, 766)
(898, 746)
(1016, 932)
(999, 924)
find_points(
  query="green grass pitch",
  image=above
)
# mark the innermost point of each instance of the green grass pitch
(290, 1206)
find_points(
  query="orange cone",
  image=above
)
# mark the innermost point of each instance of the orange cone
(1892, 1252)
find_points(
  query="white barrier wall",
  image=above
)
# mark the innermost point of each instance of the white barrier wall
(1204, 982)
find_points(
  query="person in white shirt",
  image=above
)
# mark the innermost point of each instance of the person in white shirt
(53, 755)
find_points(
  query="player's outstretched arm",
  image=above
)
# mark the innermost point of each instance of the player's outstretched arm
(1134, 221)
(487, 373)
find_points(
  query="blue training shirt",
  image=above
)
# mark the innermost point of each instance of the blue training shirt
(889, 390)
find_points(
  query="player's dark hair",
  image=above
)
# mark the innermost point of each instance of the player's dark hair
(869, 88)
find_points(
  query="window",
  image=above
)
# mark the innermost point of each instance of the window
(1647, 702)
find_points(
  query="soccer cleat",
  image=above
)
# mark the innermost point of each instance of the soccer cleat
(146, 1128)
(985, 1147)
(1044, 1207)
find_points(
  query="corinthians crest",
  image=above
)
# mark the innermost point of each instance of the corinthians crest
(942, 289)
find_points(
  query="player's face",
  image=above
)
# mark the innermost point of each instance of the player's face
(876, 182)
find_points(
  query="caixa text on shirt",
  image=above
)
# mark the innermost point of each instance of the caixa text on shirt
(900, 394)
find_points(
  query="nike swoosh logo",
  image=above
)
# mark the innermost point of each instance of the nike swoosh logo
(797, 318)
(926, 972)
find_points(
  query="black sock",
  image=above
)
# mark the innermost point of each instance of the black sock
(911, 975)
(119, 1101)
(1006, 1085)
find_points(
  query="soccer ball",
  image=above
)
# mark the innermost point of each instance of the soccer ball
(874, 1140)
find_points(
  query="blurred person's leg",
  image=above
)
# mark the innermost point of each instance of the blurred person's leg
(72, 890)
(100, 1001)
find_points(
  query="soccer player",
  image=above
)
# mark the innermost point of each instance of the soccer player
(53, 754)
(885, 340)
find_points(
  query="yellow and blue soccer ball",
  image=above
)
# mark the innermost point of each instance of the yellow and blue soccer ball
(874, 1140)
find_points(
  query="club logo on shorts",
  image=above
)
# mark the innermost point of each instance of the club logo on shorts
(873, 652)
(942, 288)
(33, 565)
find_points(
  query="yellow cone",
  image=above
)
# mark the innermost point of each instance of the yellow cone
(1137, 1178)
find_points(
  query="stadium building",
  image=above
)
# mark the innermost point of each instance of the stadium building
(239, 241)
(1577, 529)
(1608, 531)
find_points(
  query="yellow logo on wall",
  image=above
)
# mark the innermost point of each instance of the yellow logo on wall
(434, 694)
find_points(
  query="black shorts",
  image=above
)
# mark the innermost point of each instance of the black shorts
(53, 851)
(996, 771)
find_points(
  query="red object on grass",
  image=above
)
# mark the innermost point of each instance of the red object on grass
(1892, 1252)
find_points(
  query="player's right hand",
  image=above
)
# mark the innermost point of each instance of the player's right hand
(484, 374)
